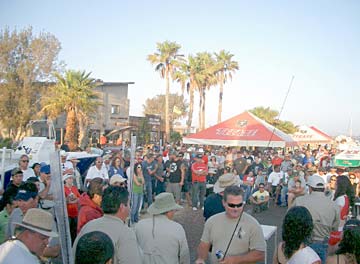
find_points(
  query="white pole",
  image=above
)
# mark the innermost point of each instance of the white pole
(3, 167)
(132, 164)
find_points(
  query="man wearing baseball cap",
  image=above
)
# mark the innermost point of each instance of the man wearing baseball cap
(325, 214)
(32, 235)
(26, 198)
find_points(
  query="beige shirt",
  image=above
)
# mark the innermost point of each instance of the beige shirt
(248, 236)
(325, 214)
(162, 241)
(124, 239)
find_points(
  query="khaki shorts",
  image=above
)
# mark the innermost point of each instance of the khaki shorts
(175, 189)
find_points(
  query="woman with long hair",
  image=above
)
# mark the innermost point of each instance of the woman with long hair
(349, 247)
(116, 167)
(137, 193)
(296, 233)
(344, 197)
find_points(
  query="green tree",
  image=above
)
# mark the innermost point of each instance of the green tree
(75, 96)
(271, 116)
(226, 66)
(186, 76)
(167, 59)
(27, 63)
(143, 136)
(205, 78)
(177, 104)
(175, 137)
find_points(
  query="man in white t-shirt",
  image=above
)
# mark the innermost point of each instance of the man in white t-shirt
(66, 165)
(274, 180)
(97, 171)
(24, 166)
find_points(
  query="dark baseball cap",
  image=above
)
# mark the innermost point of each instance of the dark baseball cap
(45, 169)
(199, 155)
(25, 195)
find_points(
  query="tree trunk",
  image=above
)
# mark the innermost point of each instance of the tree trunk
(83, 131)
(191, 109)
(220, 98)
(167, 122)
(200, 107)
(71, 130)
(203, 110)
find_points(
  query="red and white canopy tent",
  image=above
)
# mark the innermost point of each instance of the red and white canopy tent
(311, 135)
(242, 130)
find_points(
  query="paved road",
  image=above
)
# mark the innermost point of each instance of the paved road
(193, 223)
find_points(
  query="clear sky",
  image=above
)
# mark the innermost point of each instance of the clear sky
(316, 41)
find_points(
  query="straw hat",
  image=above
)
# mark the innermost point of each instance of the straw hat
(39, 221)
(164, 202)
(226, 180)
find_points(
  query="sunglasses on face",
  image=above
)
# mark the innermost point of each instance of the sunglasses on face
(239, 205)
(25, 160)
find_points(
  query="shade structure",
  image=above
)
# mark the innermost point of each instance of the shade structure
(311, 135)
(349, 157)
(244, 129)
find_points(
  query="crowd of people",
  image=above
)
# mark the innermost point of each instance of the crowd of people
(105, 204)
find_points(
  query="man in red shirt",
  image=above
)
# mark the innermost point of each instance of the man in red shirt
(199, 170)
(276, 160)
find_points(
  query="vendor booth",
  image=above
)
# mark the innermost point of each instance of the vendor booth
(242, 130)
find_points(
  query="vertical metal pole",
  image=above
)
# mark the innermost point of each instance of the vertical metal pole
(61, 136)
(132, 164)
(57, 189)
(3, 156)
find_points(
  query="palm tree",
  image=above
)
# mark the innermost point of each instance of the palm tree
(185, 76)
(205, 78)
(73, 94)
(225, 70)
(166, 59)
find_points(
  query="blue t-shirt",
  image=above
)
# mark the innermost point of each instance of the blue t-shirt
(145, 168)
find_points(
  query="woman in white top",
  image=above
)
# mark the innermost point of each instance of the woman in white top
(296, 232)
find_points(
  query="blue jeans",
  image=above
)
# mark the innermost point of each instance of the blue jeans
(148, 192)
(247, 191)
(135, 207)
(321, 250)
(284, 191)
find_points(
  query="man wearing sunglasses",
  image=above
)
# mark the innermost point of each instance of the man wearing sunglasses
(248, 243)
(24, 166)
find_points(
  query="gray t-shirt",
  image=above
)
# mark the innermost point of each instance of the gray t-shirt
(292, 183)
(248, 236)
